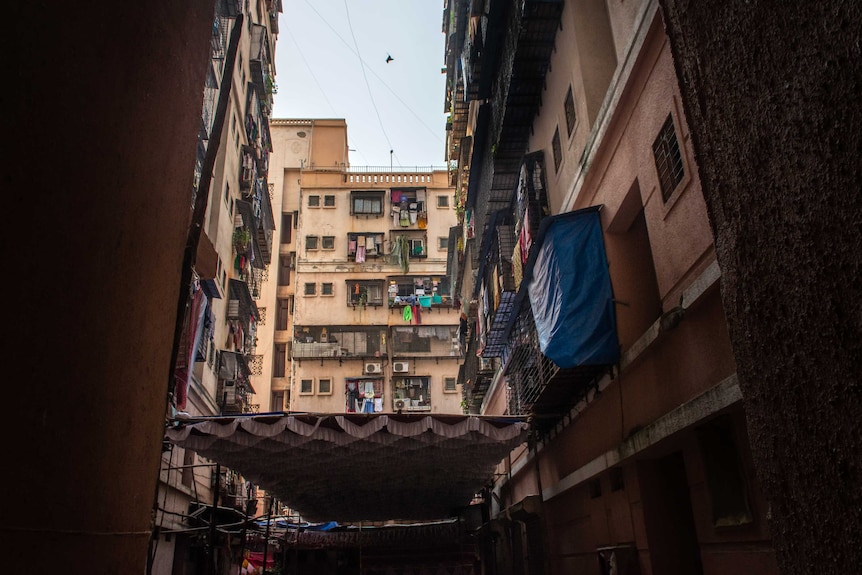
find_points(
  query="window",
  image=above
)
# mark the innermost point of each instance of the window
(306, 386)
(324, 386)
(443, 243)
(558, 150)
(442, 201)
(311, 242)
(417, 247)
(279, 361)
(364, 292)
(310, 289)
(226, 193)
(362, 246)
(326, 289)
(282, 313)
(313, 201)
(328, 242)
(569, 106)
(363, 395)
(411, 394)
(449, 384)
(668, 160)
(329, 201)
(366, 203)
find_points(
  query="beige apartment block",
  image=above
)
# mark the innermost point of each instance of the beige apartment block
(364, 320)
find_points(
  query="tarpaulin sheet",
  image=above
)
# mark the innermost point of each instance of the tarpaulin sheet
(570, 292)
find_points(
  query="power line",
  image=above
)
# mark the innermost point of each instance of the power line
(397, 97)
(365, 77)
(310, 70)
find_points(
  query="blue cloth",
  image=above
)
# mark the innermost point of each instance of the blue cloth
(570, 292)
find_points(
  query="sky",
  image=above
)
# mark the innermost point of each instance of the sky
(331, 63)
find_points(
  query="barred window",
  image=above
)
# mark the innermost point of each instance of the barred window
(668, 159)
(557, 148)
(569, 106)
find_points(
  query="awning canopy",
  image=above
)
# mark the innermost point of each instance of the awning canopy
(359, 467)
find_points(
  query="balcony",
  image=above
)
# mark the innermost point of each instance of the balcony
(426, 291)
(425, 341)
(499, 282)
(260, 58)
(338, 341)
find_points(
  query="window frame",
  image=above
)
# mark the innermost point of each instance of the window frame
(570, 112)
(315, 242)
(302, 382)
(443, 201)
(446, 388)
(323, 242)
(353, 299)
(331, 289)
(557, 150)
(373, 197)
(443, 243)
(305, 291)
(669, 159)
(320, 390)
(327, 198)
(316, 203)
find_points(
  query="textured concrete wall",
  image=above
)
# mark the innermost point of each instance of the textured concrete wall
(772, 98)
(102, 106)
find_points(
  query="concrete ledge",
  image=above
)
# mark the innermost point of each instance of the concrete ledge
(723, 395)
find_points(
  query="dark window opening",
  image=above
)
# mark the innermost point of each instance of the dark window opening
(558, 149)
(668, 159)
(571, 118)
(724, 474)
(279, 360)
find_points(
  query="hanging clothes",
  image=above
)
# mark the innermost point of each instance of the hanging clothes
(352, 397)
(407, 314)
(360, 254)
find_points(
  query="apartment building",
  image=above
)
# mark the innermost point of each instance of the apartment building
(365, 319)
(221, 367)
(586, 271)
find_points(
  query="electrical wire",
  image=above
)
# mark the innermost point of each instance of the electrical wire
(365, 77)
(397, 97)
(310, 71)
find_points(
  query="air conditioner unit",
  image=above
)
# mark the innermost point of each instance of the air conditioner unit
(400, 367)
(372, 368)
(400, 404)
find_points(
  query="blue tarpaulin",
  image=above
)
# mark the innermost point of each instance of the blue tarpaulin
(570, 292)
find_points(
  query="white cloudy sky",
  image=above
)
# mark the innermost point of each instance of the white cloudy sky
(331, 63)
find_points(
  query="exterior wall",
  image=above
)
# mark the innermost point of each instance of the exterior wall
(312, 169)
(626, 470)
(111, 233)
(221, 219)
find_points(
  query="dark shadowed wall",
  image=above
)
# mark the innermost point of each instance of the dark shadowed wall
(771, 93)
(102, 105)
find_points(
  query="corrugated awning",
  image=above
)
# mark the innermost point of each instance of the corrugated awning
(359, 467)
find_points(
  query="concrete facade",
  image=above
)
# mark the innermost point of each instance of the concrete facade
(347, 336)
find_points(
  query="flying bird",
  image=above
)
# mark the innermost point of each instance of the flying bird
(389, 58)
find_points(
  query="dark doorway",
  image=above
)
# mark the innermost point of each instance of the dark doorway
(670, 528)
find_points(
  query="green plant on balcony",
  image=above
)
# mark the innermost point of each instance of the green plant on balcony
(241, 239)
